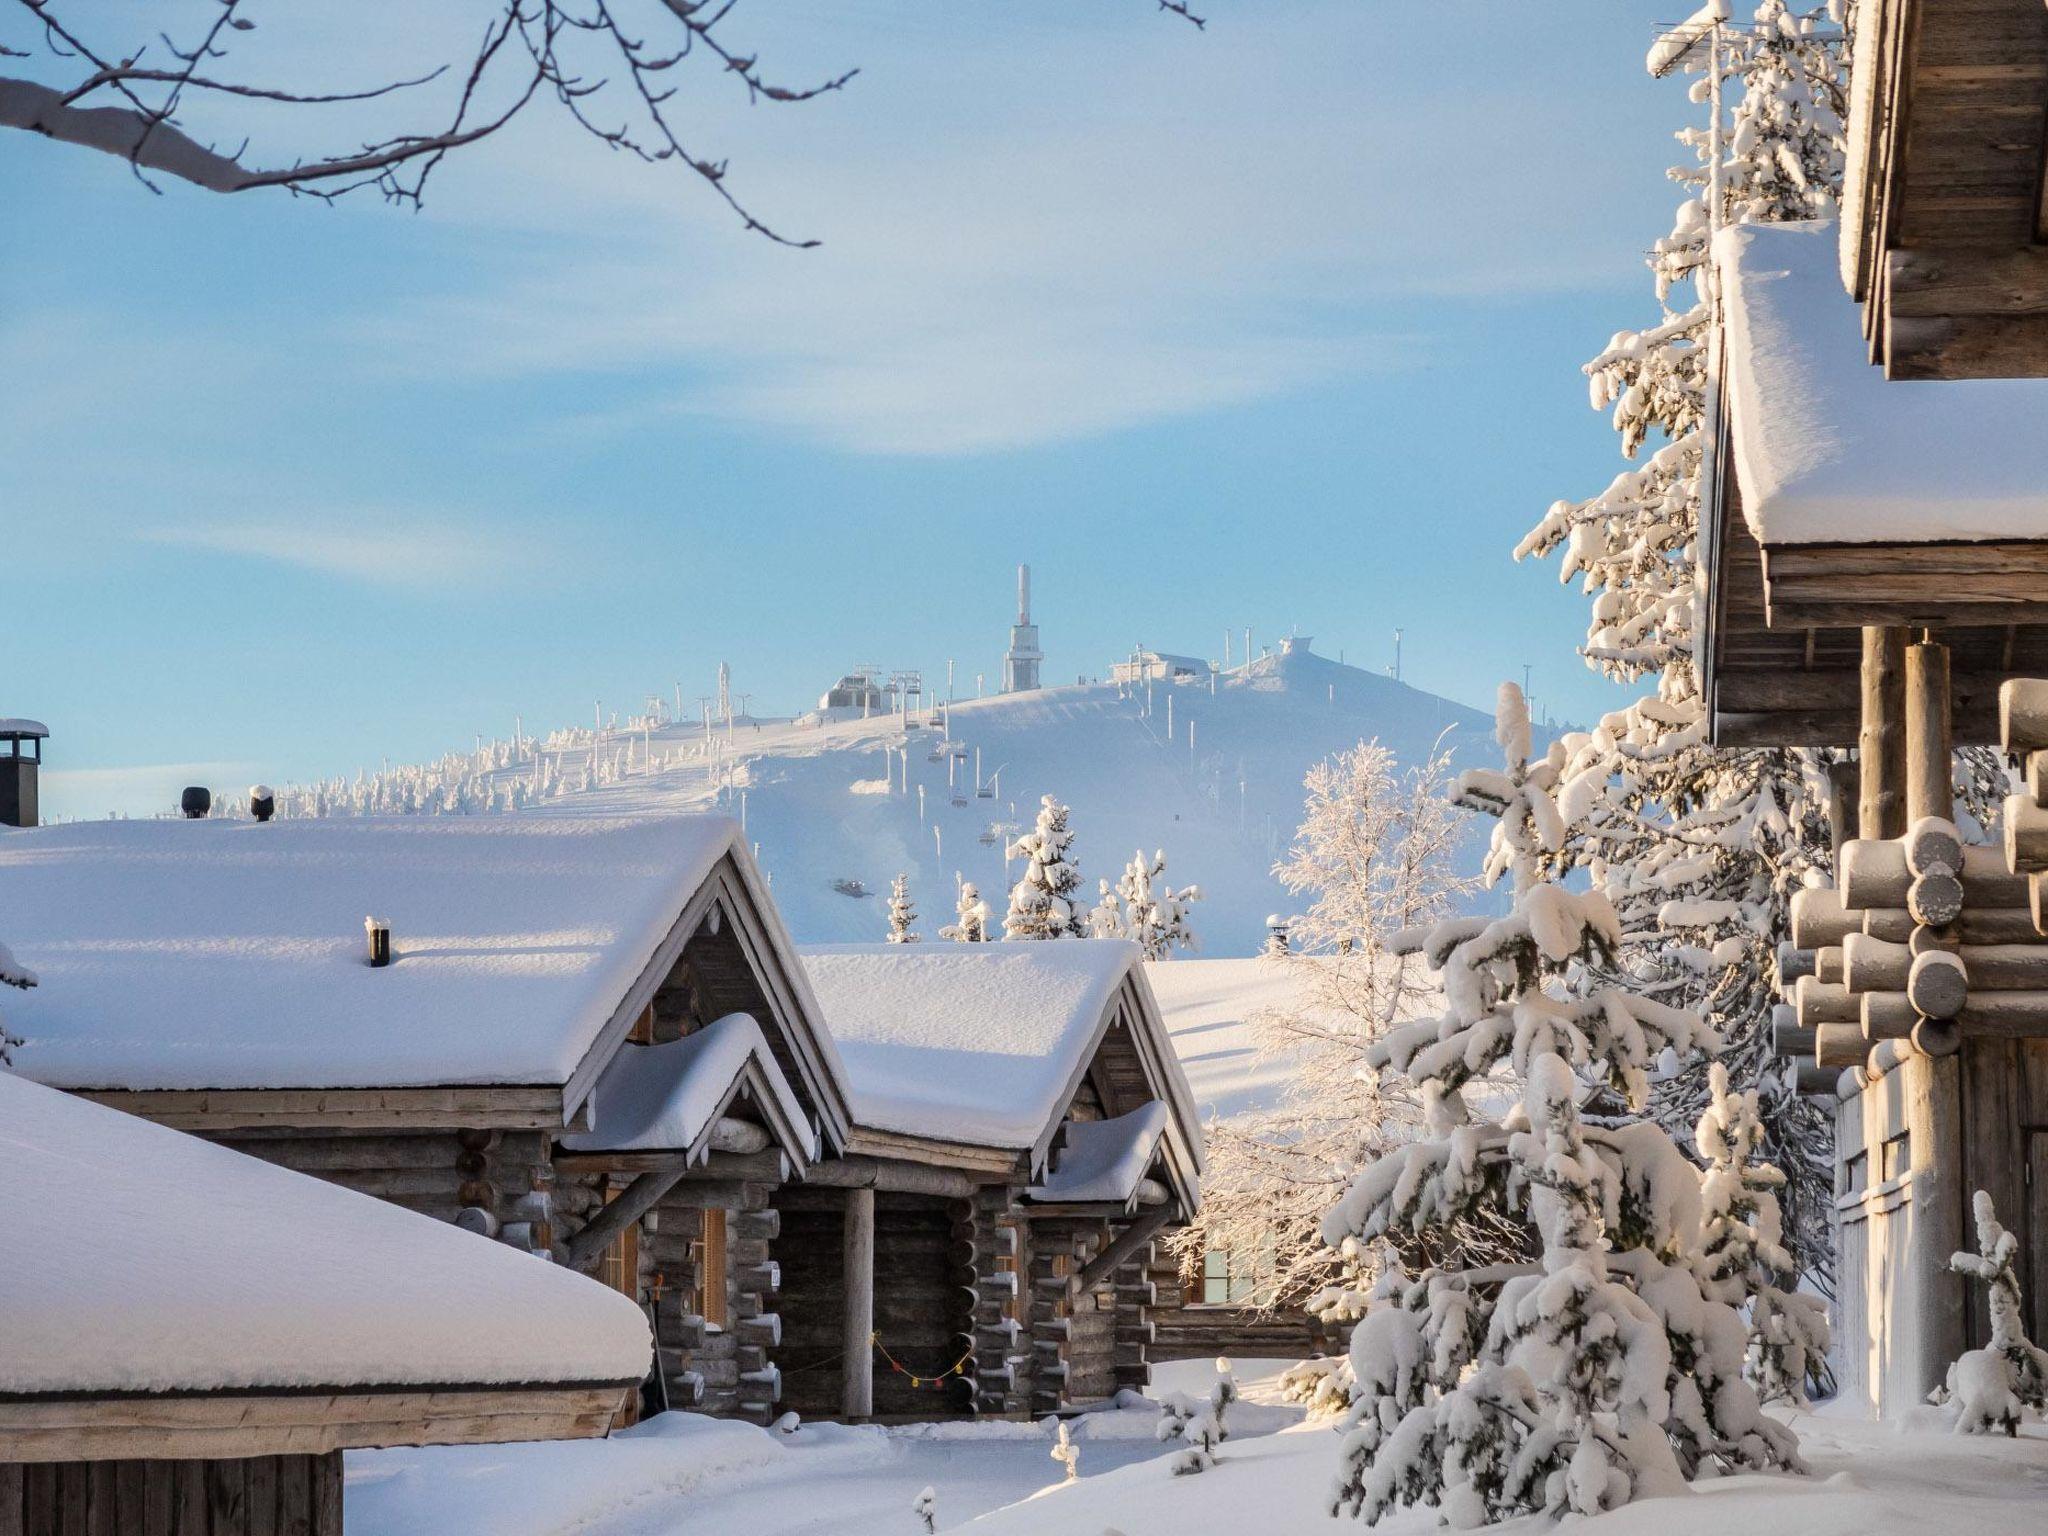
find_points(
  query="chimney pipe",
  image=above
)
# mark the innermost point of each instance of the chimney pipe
(380, 941)
(196, 802)
(20, 771)
(262, 802)
(1023, 594)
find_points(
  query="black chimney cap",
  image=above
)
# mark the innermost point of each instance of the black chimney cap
(262, 802)
(196, 801)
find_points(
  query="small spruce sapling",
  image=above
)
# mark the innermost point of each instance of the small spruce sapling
(970, 916)
(926, 1507)
(902, 912)
(12, 974)
(1994, 1387)
(1065, 1452)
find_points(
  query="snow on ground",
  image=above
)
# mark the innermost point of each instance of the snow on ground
(817, 796)
(680, 1475)
(1209, 1007)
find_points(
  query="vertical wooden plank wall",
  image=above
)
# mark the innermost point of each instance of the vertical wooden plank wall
(252, 1496)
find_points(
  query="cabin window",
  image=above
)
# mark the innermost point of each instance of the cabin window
(712, 1303)
(1234, 1279)
(1855, 1174)
(1898, 1158)
(620, 1267)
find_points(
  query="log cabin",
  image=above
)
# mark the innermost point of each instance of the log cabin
(1026, 1133)
(282, 1320)
(1876, 580)
(1222, 1302)
(586, 1037)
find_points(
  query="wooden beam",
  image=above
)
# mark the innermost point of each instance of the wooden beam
(1881, 746)
(586, 1248)
(1930, 768)
(408, 1109)
(237, 1424)
(1126, 1245)
(857, 1372)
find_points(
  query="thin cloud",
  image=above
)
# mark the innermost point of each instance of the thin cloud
(379, 549)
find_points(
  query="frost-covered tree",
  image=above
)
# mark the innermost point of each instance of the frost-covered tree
(1597, 1365)
(1371, 858)
(926, 1507)
(12, 974)
(1994, 1387)
(1044, 903)
(970, 916)
(1700, 848)
(902, 912)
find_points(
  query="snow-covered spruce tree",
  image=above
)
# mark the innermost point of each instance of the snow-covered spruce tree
(1699, 848)
(970, 916)
(1373, 857)
(1153, 919)
(12, 974)
(902, 912)
(1994, 1387)
(1044, 903)
(1597, 1367)
(1742, 1239)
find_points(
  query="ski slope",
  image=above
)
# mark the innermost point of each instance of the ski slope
(1210, 773)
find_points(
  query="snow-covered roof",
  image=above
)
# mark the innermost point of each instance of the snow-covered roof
(140, 1259)
(666, 1098)
(1826, 449)
(976, 1043)
(230, 954)
(985, 1043)
(1104, 1161)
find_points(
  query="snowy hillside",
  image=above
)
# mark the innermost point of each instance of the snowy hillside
(1212, 776)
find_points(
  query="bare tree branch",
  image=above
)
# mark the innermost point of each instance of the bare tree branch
(561, 45)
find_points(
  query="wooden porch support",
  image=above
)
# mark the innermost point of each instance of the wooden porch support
(1881, 741)
(1930, 778)
(587, 1247)
(1123, 1247)
(858, 1367)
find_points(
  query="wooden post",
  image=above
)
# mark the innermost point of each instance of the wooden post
(858, 1368)
(1843, 790)
(1881, 743)
(1930, 780)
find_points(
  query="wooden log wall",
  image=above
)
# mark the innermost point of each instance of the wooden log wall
(1182, 1328)
(254, 1496)
(1085, 1346)
(497, 1183)
(1002, 1352)
(925, 1303)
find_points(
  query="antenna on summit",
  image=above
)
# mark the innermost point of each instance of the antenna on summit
(1020, 662)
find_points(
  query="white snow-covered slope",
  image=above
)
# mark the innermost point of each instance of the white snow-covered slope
(850, 803)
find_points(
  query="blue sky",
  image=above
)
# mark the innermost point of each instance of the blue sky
(1274, 325)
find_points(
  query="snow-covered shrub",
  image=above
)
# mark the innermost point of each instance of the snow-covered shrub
(926, 1507)
(1994, 1387)
(12, 974)
(1192, 1460)
(1043, 902)
(902, 912)
(1175, 1409)
(1599, 1365)
(1322, 1385)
